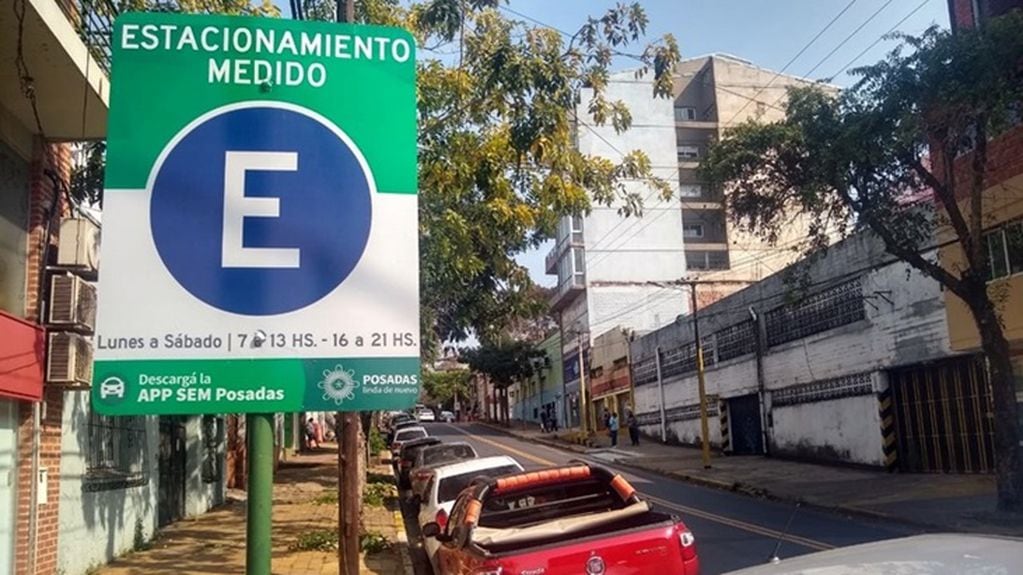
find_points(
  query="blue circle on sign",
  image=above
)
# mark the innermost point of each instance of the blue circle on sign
(261, 210)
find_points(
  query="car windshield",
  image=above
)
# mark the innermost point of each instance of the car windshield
(438, 454)
(450, 487)
(410, 434)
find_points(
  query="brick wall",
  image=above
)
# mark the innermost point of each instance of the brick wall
(41, 189)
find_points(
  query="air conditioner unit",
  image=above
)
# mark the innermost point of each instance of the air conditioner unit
(78, 246)
(72, 302)
(69, 360)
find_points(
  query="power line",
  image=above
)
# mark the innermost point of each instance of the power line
(847, 38)
(881, 37)
(794, 58)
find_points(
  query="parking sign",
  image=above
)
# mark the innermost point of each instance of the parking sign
(260, 218)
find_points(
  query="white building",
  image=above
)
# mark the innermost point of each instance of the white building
(609, 266)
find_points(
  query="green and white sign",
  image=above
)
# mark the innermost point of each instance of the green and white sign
(260, 218)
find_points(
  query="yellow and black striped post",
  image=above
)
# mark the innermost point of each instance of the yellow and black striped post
(888, 443)
(726, 438)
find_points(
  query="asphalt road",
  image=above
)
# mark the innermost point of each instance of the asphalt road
(732, 531)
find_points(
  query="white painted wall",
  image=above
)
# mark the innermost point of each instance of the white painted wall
(200, 496)
(905, 324)
(847, 429)
(623, 254)
(95, 527)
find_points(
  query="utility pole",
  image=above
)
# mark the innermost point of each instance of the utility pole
(349, 505)
(584, 422)
(700, 374)
(704, 425)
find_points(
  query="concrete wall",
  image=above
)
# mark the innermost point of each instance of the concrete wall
(847, 429)
(624, 254)
(904, 324)
(96, 526)
(200, 495)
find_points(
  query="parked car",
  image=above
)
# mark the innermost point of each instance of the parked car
(401, 424)
(559, 521)
(933, 554)
(447, 417)
(426, 415)
(407, 457)
(432, 457)
(444, 485)
(404, 435)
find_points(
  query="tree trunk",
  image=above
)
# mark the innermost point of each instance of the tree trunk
(1008, 464)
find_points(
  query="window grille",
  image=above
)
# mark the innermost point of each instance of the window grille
(736, 340)
(116, 454)
(212, 444)
(644, 371)
(828, 309)
(824, 390)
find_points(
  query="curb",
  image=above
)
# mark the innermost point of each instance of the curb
(403, 548)
(739, 487)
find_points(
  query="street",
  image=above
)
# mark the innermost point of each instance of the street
(732, 531)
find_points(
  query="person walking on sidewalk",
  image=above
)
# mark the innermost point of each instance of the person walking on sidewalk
(612, 427)
(633, 425)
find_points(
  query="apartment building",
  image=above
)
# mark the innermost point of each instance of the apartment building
(612, 271)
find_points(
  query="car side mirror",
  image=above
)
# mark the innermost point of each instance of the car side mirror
(432, 529)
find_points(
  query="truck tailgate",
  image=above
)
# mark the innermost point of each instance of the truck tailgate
(655, 550)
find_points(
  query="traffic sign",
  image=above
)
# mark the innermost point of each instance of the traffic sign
(260, 218)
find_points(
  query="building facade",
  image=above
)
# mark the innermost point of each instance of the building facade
(80, 488)
(1002, 216)
(856, 369)
(610, 382)
(612, 270)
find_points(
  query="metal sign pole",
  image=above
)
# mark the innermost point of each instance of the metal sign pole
(259, 429)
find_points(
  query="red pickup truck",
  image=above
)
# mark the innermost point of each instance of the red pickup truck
(564, 520)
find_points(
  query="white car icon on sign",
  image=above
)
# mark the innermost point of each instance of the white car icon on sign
(111, 387)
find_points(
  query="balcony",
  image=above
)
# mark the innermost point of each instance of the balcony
(608, 383)
(67, 80)
(567, 291)
(551, 261)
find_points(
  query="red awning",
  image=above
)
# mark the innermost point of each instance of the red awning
(22, 353)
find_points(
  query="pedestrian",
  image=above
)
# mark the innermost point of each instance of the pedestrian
(633, 424)
(554, 420)
(310, 434)
(607, 419)
(612, 427)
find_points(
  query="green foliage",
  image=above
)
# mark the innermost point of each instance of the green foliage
(377, 442)
(443, 386)
(328, 497)
(139, 542)
(373, 542)
(505, 361)
(377, 494)
(316, 540)
(498, 164)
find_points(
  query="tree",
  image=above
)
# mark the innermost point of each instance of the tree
(498, 165)
(444, 386)
(504, 361)
(903, 154)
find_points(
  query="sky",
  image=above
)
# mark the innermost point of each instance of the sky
(769, 33)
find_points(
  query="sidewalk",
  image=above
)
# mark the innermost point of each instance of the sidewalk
(932, 501)
(304, 517)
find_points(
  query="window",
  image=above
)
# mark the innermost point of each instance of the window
(706, 260)
(116, 455)
(1005, 250)
(450, 487)
(685, 114)
(690, 190)
(692, 230)
(688, 152)
(213, 442)
(577, 229)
